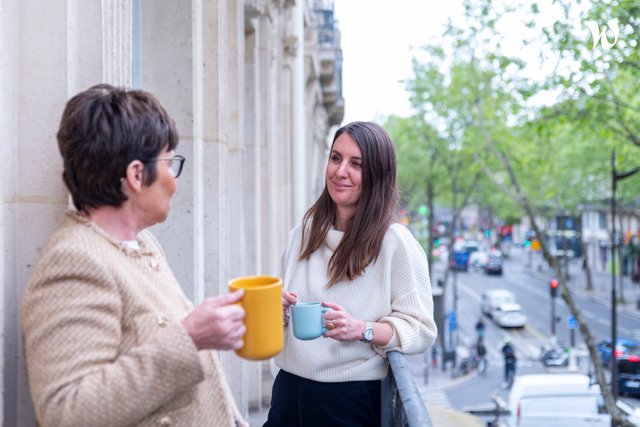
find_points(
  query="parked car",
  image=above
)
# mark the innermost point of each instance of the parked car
(471, 246)
(491, 298)
(625, 346)
(629, 374)
(478, 259)
(555, 356)
(565, 400)
(509, 315)
(493, 265)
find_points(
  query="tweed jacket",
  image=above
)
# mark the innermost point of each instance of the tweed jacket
(103, 341)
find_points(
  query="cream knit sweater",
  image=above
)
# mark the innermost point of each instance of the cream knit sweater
(395, 289)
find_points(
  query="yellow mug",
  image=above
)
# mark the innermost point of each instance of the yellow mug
(262, 303)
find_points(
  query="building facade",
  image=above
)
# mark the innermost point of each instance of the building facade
(255, 89)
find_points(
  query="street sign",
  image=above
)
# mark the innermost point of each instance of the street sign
(453, 321)
(573, 323)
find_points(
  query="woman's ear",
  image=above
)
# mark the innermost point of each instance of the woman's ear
(134, 176)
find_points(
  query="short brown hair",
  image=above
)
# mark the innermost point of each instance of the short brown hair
(102, 130)
(377, 207)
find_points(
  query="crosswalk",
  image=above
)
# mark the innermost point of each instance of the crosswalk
(438, 397)
(435, 397)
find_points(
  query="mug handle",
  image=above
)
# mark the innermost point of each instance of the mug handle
(324, 310)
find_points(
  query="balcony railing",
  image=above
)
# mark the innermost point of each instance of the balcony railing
(330, 58)
(402, 404)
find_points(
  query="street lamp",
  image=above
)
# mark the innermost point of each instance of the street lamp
(615, 177)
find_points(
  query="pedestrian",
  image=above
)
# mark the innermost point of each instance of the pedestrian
(481, 355)
(509, 355)
(480, 327)
(110, 339)
(434, 356)
(351, 254)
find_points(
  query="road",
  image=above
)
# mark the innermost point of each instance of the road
(531, 288)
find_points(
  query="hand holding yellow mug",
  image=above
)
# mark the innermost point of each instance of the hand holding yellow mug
(262, 302)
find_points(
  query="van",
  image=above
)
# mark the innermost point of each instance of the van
(565, 400)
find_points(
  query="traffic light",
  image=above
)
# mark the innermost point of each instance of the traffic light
(553, 288)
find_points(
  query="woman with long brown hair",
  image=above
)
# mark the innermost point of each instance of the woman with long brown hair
(350, 253)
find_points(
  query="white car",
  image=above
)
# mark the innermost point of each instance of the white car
(478, 259)
(494, 297)
(509, 315)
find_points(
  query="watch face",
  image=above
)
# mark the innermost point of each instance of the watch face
(368, 334)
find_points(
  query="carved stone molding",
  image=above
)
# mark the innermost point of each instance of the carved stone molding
(290, 45)
(116, 44)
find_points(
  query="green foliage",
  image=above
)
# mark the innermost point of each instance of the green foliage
(476, 111)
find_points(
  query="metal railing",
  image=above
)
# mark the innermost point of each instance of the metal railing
(402, 404)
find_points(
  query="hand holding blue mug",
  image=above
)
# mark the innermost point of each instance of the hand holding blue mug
(308, 320)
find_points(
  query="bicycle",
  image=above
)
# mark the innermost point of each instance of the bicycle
(481, 365)
(510, 372)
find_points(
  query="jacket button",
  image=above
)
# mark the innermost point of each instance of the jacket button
(165, 421)
(163, 321)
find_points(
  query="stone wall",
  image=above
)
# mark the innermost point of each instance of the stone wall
(241, 80)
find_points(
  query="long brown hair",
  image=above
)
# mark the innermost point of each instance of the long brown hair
(376, 209)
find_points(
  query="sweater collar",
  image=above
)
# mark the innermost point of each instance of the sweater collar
(333, 238)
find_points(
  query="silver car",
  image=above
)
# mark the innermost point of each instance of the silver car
(509, 315)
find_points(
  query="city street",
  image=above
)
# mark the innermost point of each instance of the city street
(531, 288)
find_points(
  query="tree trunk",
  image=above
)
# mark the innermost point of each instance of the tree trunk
(587, 268)
(430, 216)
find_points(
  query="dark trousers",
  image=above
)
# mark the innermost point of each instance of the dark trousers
(296, 401)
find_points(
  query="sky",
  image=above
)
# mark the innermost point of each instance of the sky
(377, 41)
(379, 38)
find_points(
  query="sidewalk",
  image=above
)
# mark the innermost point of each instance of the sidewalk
(432, 383)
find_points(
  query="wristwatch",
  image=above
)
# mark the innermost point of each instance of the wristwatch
(367, 333)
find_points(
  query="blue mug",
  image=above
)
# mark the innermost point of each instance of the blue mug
(307, 319)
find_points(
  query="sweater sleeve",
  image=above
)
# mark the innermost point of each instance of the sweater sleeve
(71, 318)
(411, 317)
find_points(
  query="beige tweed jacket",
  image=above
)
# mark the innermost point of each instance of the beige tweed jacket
(103, 341)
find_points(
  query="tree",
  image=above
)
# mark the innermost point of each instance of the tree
(544, 158)
(418, 149)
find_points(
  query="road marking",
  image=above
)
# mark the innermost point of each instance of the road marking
(435, 397)
(603, 321)
(536, 332)
(625, 331)
(470, 291)
(589, 315)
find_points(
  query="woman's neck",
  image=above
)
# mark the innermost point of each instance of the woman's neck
(342, 219)
(115, 221)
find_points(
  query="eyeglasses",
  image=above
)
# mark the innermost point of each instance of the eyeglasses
(175, 164)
